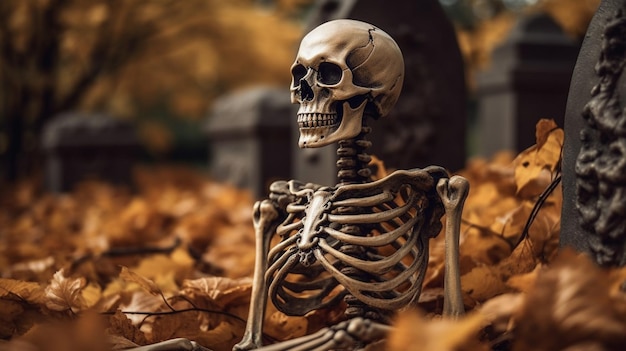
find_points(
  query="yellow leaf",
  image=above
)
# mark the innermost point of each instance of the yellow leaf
(145, 283)
(91, 294)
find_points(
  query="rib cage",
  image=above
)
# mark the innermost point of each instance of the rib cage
(305, 266)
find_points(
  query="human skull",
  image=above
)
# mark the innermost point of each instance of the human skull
(343, 69)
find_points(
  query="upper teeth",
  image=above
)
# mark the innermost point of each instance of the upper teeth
(307, 120)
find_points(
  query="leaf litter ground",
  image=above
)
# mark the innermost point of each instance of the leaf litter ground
(104, 268)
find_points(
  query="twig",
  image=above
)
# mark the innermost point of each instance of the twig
(540, 201)
(130, 251)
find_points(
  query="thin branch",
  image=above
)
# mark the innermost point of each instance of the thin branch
(540, 201)
(130, 251)
(165, 313)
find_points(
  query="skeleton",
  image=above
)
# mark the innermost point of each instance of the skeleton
(362, 242)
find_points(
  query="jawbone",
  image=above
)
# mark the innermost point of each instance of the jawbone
(349, 127)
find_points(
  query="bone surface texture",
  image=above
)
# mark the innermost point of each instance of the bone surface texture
(362, 241)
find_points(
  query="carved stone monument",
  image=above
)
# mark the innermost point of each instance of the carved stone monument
(428, 124)
(249, 133)
(528, 80)
(594, 155)
(81, 146)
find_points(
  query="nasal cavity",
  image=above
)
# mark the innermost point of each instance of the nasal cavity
(306, 93)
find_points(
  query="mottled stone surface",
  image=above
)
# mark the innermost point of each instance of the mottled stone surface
(593, 176)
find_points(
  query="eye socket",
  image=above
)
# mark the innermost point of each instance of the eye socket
(329, 73)
(298, 72)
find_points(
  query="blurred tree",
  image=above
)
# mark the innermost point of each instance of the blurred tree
(118, 55)
(484, 24)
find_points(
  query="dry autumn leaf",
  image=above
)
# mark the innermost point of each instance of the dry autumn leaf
(121, 329)
(535, 165)
(195, 242)
(64, 293)
(414, 332)
(570, 307)
(30, 292)
(222, 290)
(145, 283)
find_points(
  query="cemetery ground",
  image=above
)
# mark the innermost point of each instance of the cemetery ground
(104, 267)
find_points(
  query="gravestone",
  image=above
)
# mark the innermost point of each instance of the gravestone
(593, 219)
(249, 135)
(428, 124)
(528, 80)
(81, 146)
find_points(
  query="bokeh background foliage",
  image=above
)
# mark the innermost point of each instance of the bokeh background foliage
(162, 63)
(176, 253)
(135, 58)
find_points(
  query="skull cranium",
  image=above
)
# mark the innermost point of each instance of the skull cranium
(344, 68)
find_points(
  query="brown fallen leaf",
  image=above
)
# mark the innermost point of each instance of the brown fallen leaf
(414, 332)
(30, 292)
(64, 293)
(570, 307)
(534, 166)
(222, 290)
(121, 326)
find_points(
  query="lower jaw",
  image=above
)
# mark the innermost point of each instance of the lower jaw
(315, 136)
(349, 126)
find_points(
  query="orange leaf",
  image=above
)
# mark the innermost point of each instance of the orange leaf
(222, 290)
(543, 128)
(483, 283)
(414, 332)
(535, 165)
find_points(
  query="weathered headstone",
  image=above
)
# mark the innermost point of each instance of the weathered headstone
(249, 135)
(88, 146)
(594, 154)
(427, 125)
(527, 80)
